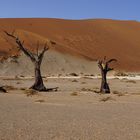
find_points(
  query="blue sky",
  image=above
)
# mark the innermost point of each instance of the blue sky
(71, 9)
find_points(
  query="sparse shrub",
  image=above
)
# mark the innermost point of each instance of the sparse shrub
(104, 99)
(22, 88)
(40, 101)
(136, 94)
(30, 92)
(17, 77)
(131, 81)
(10, 87)
(121, 74)
(87, 89)
(115, 92)
(22, 76)
(59, 75)
(118, 93)
(83, 82)
(73, 74)
(74, 94)
(18, 83)
(96, 91)
(74, 80)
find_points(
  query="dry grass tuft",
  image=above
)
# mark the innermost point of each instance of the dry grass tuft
(118, 93)
(83, 82)
(73, 74)
(87, 89)
(104, 99)
(18, 83)
(74, 80)
(131, 81)
(30, 92)
(10, 87)
(74, 94)
(95, 90)
(135, 93)
(40, 101)
(22, 88)
(121, 74)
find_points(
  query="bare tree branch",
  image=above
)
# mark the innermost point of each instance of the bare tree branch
(40, 57)
(20, 45)
(100, 64)
(111, 60)
(37, 48)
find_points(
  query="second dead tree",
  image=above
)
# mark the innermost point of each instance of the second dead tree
(105, 68)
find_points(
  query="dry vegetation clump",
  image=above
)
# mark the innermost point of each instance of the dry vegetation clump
(136, 94)
(121, 74)
(30, 92)
(40, 101)
(17, 78)
(59, 75)
(9, 78)
(118, 93)
(74, 80)
(116, 78)
(73, 74)
(22, 88)
(131, 81)
(132, 75)
(22, 76)
(74, 94)
(18, 83)
(95, 90)
(10, 87)
(89, 75)
(83, 82)
(104, 99)
(87, 89)
(13, 59)
(123, 79)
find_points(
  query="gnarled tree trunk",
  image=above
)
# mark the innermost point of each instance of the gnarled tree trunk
(104, 67)
(38, 85)
(104, 85)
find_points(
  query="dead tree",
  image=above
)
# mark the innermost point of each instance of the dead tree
(104, 67)
(36, 59)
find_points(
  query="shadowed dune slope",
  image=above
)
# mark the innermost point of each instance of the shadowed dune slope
(92, 39)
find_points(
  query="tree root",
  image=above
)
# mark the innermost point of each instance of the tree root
(3, 90)
(44, 89)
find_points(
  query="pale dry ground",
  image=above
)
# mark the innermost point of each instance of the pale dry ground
(54, 63)
(75, 112)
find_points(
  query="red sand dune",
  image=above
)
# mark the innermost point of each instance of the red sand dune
(91, 39)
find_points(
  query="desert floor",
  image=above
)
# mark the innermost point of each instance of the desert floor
(74, 112)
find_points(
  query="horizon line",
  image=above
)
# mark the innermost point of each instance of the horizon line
(69, 18)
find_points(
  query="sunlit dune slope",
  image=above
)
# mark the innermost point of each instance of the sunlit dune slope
(92, 39)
